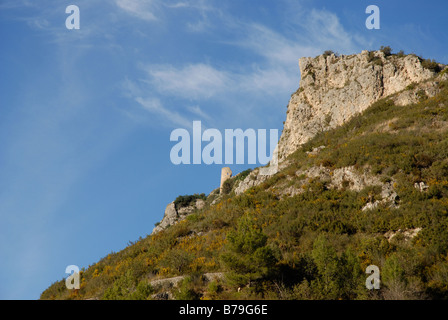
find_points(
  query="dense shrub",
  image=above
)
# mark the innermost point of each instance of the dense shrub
(227, 186)
(185, 201)
(187, 290)
(247, 256)
(431, 65)
(374, 59)
(327, 53)
(386, 50)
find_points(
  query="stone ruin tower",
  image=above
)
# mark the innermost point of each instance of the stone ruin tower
(226, 173)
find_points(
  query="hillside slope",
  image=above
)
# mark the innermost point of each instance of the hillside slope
(369, 190)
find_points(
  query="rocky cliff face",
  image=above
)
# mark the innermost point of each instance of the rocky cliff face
(333, 89)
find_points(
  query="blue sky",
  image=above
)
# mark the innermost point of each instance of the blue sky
(86, 115)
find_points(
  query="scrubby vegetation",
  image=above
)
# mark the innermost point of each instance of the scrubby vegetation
(318, 243)
(431, 65)
(328, 53)
(386, 50)
(374, 59)
(426, 63)
(185, 201)
(230, 183)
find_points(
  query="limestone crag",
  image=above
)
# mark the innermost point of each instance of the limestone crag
(416, 91)
(407, 234)
(173, 215)
(255, 178)
(343, 178)
(333, 89)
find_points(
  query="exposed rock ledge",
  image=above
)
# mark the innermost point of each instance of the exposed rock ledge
(333, 89)
(173, 215)
(173, 282)
(352, 179)
(407, 234)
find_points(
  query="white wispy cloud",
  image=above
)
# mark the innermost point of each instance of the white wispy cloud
(178, 5)
(142, 9)
(166, 81)
(202, 82)
(196, 81)
(267, 80)
(155, 106)
(39, 23)
(202, 5)
(223, 88)
(198, 111)
(277, 49)
(325, 28)
(312, 32)
(274, 71)
(200, 20)
(13, 4)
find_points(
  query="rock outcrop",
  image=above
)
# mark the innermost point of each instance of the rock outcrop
(407, 234)
(173, 215)
(333, 89)
(253, 179)
(344, 178)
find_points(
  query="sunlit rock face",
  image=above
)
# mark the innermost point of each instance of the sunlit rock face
(333, 89)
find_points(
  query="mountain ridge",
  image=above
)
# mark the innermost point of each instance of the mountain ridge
(371, 190)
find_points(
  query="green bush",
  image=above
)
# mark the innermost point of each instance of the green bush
(374, 59)
(127, 288)
(214, 287)
(327, 53)
(185, 201)
(186, 290)
(243, 175)
(386, 50)
(247, 256)
(227, 186)
(431, 65)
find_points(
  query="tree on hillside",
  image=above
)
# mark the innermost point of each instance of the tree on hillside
(247, 256)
